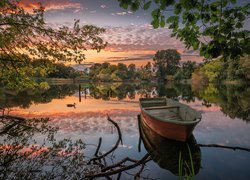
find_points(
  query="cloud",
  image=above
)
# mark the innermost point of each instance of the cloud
(136, 57)
(121, 13)
(144, 38)
(29, 5)
(103, 6)
(140, 37)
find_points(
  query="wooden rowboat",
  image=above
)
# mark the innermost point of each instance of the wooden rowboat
(170, 154)
(169, 118)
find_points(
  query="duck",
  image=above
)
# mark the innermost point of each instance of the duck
(71, 105)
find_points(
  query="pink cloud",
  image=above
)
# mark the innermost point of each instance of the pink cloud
(145, 37)
(29, 5)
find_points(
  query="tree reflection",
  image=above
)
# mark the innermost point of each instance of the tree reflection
(24, 99)
(29, 150)
(22, 156)
(233, 99)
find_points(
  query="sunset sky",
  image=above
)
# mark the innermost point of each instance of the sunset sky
(130, 36)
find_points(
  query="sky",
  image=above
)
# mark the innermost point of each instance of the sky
(130, 37)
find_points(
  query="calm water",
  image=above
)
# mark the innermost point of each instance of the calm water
(75, 115)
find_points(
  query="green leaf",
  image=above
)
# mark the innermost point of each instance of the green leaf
(162, 23)
(124, 5)
(177, 9)
(155, 13)
(196, 45)
(233, 1)
(135, 6)
(169, 2)
(155, 23)
(147, 5)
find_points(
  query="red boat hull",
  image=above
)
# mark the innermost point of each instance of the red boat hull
(174, 131)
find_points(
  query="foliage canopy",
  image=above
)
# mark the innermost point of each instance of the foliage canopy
(216, 27)
(167, 62)
(25, 36)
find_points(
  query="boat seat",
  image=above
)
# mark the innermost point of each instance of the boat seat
(161, 107)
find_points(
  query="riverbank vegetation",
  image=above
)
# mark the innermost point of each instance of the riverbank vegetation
(237, 71)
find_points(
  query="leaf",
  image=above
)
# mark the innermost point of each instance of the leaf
(155, 13)
(162, 23)
(233, 1)
(169, 2)
(155, 23)
(135, 6)
(147, 5)
(196, 45)
(177, 9)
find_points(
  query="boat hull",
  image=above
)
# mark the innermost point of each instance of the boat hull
(179, 132)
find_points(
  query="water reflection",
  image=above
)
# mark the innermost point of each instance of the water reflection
(180, 158)
(24, 99)
(233, 99)
(29, 150)
(88, 122)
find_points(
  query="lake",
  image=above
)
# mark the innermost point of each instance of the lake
(67, 122)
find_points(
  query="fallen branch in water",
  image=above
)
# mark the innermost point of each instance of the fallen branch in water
(142, 161)
(115, 146)
(98, 147)
(119, 163)
(225, 147)
(118, 167)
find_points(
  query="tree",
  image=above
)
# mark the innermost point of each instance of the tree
(209, 72)
(216, 28)
(122, 71)
(244, 69)
(25, 36)
(63, 71)
(188, 68)
(145, 73)
(167, 62)
(131, 71)
(93, 71)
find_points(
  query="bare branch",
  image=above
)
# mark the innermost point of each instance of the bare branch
(116, 144)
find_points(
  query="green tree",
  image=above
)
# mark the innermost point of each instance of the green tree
(94, 70)
(131, 71)
(215, 27)
(63, 71)
(25, 36)
(167, 62)
(244, 68)
(209, 72)
(188, 68)
(122, 71)
(145, 73)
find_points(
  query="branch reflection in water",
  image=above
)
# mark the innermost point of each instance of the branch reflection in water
(30, 150)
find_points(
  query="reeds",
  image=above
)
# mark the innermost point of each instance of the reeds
(186, 168)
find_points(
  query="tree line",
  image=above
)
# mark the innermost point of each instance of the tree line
(120, 72)
(219, 70)
(216, 28)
